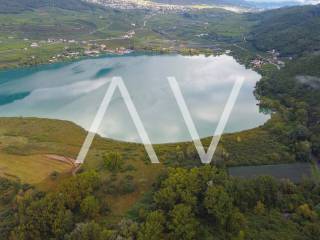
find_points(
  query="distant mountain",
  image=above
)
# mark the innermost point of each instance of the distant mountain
(260, 4)
(236, 3)
(16, 6)
(292, 31)
(265, 4)
(194, 2)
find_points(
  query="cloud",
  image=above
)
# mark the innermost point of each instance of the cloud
(313, 2)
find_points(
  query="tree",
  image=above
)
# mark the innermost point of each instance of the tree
(127, 229)
(192, 153)
(181, 186)
(315, 139)
(236, 223)
(303, 151)
(183, 224)
(90, 207)
(305, 212)
(266, 190)
(88, 231)
(259, 209)
(62, 223)
(76, 189)
(312, 231)
(44, 219)
(113, 161)
(153, 228)
(315, 173)
(300, 133)
(218, 204)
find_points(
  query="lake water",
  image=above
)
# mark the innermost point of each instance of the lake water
(295, 172)
(74, 91)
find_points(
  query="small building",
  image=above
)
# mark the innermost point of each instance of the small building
(257, 63)
(34, 45)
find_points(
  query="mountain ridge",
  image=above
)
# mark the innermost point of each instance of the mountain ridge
(17, 6)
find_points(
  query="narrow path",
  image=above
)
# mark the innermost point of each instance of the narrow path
(67, 160)
(64, 159)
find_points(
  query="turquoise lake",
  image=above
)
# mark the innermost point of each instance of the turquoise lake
(74, 91)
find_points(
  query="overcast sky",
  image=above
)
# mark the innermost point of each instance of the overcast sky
(301, 1)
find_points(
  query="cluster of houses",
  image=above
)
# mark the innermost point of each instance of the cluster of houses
(273, 58)
(91, 50)
(146, 5)
(97, 49)
(86, 48)
(53, 40)
(257, 63)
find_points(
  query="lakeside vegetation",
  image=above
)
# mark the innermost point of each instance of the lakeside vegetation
(293, 94)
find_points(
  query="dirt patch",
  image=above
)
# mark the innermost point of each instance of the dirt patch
(63, 159)
(67, 160)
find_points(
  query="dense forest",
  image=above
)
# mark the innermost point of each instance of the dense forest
(293, 94)
(199, 203)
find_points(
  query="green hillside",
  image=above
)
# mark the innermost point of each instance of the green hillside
(17, 6)
(292, 31)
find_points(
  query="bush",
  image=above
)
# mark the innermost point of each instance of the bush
(90, 207)
(113, 162)
(127, 185)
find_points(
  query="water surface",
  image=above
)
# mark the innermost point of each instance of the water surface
(295, 172)
(73, 91)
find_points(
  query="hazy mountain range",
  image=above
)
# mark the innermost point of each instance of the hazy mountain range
(243, 3)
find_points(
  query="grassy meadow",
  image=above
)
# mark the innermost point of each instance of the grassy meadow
(23, 140)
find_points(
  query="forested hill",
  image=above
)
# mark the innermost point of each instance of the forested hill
(292, 31)
(16, 6)
(293, 92)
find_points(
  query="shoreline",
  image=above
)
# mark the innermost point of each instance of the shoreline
(183, 52)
